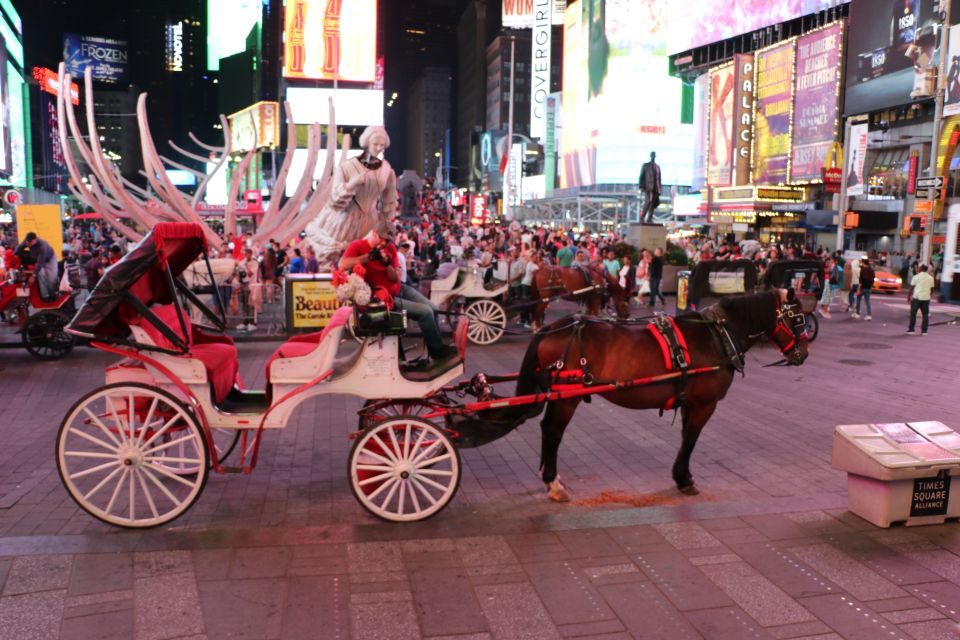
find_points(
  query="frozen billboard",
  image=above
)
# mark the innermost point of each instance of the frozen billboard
(105, 57)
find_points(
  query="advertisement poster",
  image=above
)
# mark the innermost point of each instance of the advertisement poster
(743, 118)
(701, 119)
(229, 22)
(106, 58)
(311, 303)
(5, 157)
(859, 133)
(330, 40)
(951, 96)
(720, 141)
(519, 14)
(887, 40)
(774, 96)
(45, 221)
(815, 107)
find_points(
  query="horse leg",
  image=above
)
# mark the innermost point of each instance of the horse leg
(694, 418)
(555, 420)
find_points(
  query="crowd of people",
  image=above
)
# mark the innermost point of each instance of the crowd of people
(439, 238)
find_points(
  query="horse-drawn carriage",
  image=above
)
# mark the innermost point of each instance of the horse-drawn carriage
(40, 322)
(137, 451)
(712, 280)
(806, 278)
(482, 304)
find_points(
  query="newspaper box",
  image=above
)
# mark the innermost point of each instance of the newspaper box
(900, 473)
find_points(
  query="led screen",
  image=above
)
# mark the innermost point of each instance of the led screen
(354, 107)
(4, 116)
(887, 39)
(815, 98)
(228, 24)
(615, 50)
(694, 24)
(326, 40)
(18, 136)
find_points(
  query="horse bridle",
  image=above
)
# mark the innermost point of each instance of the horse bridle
(792, 322)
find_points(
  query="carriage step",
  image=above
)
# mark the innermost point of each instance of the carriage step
(226, 469)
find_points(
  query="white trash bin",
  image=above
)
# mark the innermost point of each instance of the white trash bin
(900, 472)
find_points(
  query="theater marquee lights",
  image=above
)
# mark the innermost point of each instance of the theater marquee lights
(330, 40)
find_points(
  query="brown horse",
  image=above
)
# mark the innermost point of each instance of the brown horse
(597, 352)
(585, 285)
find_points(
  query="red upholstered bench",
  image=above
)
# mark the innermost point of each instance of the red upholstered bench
(217, 353)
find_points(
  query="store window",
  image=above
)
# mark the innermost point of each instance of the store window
(887, 174)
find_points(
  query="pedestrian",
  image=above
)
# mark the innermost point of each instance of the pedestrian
(296, 262)
(526, 286)
(628, 276)
(867, 276)
(656, 275)
(854, 269)
(830, 287)
(920, 287)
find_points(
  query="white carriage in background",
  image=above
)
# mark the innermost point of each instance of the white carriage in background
(483, 305)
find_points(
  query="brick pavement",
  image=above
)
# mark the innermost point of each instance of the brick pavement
(766, 551)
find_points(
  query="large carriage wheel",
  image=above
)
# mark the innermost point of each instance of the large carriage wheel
(117, 450)
(44, 335)
(811, 325)
(404, 469)
(488, 319)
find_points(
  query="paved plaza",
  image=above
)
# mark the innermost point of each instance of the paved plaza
(766, 551)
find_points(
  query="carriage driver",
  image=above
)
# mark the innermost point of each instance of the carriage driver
(37, 251)
(379, 258)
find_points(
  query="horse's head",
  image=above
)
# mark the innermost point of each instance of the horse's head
(789, 334)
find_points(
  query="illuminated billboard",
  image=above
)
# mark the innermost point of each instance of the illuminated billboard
(256, 127)
(519, 14)
(888, 45)
(354, 107)
(18, 131)
(5, 160)
(720, 139)
(772, 114)
(106, 58)
(709, 21)
(612, 50)
(816, 109)
(228, 24)
(330, 39)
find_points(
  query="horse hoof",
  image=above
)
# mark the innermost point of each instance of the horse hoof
(557, 492)
(689, 490)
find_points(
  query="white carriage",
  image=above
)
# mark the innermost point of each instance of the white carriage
(137, 452)
(481, 304)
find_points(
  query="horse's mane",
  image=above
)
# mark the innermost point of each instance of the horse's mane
(754, 312)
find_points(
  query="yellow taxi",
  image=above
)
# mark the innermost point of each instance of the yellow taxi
(887, 282)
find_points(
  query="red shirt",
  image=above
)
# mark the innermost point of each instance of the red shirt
(376, 271)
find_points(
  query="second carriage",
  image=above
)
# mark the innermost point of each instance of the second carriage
(464, 289)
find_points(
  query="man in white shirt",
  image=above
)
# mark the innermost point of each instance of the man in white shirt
(921, 285)
(526, 284)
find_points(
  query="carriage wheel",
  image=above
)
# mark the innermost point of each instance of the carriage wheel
(375, 411)
(44, 336)
(487, 321)
(404, 469)
(117, 450)
(811, 325)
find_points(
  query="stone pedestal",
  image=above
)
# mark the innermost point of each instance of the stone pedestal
(647, 236)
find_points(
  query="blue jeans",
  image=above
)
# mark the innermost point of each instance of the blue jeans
(853, 291)
(864, 294)
(422, 314)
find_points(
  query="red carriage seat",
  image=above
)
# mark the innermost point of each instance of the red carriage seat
(320, 345)
(217, 353)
